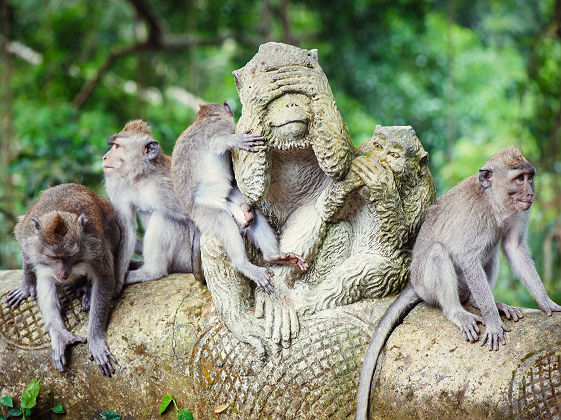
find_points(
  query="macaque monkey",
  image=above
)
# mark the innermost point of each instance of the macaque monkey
(137, 178)
(456, 255)
(204, 182)
(69, 233)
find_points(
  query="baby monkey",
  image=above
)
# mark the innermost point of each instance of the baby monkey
(456, 255)
(203, 179)
(69, 233)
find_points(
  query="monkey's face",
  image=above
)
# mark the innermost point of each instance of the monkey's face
(390, 154)
(288, 118)
(129, 155)
(521, 188)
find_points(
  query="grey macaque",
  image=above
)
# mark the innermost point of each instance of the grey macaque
(204, 182)
(456, 254)
(69, 233)
(137, 178)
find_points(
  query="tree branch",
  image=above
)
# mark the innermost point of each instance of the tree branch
(157, 40)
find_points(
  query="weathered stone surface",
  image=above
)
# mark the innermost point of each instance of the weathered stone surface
(168, 339)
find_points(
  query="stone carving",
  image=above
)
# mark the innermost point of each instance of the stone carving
(352, 215)
(23, 327)
(536, 386)
(315, 378)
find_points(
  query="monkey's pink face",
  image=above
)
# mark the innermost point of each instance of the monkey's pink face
(113, 159)
(521, 188)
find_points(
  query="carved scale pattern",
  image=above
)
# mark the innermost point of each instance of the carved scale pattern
(536, 387)
(23, 327)
(313, 379)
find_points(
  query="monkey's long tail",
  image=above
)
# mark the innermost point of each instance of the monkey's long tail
(406, 301)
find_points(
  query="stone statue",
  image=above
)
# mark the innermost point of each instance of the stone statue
(352, 215)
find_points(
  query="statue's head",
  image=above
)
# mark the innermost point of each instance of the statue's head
(286, 98)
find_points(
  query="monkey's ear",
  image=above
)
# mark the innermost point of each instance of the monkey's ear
(36, 224)
(485, 177)
(228, 108)
(151, 150)
(82, 220)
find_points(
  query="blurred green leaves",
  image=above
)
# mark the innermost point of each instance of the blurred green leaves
(470, 76)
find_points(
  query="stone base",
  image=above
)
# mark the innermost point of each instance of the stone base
(168, 339)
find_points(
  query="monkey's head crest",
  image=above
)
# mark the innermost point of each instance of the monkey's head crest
(513, 158)
(209, 110)
(59, 228)
(136, 127)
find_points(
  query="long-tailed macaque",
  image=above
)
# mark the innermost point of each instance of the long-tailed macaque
(137, 178)
(69, 233)
(456, 255)
(204, 182)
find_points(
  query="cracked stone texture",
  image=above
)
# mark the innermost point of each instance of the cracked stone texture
(168, 339)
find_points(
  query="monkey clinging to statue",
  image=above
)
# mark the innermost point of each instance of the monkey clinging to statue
(204, 182)
(70, 232)
(456, 254)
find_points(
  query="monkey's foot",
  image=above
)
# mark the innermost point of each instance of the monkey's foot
(290, 258)
(59, 341)
(467, 322)
(248, 213)
(99, 352)
(494, 333)
(548, 306)
(510, 312)
(20, 293)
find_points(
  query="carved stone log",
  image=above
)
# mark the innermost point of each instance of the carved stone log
(168, 339)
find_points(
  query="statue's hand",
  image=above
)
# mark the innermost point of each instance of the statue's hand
(378, 179)
(281, 320)
(297, 79)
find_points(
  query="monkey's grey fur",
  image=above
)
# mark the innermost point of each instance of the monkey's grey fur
(137, 177)
(69, 233)
(204, 182)
(456, 254)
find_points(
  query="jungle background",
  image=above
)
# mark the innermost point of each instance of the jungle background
(471, 76)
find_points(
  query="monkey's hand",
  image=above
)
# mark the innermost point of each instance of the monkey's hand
(494, 333)
(59, 341)
(99, 352)
(510, 312)
(281, 320)
(250, 142)
(20, 293)
(548, 306)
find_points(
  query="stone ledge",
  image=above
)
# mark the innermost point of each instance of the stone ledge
(168, 339)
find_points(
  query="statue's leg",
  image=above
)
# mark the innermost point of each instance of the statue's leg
(232, 295)
(361, 276)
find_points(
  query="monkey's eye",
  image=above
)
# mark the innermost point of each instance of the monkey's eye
(377, 146)
(520, 177)
(116, 146)
(531, 178)
(395, 155)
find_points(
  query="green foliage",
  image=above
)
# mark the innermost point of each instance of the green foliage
(181, 414)
(28, 401)
(58, 409)
(469, 76)
(110, 415)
